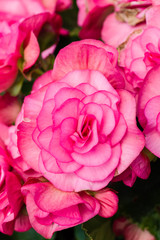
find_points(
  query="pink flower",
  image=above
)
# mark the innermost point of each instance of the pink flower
(131, 231)
(140, 167)
(22, 9)
(12, 207)
(52, 210)
(19, 29)
(80, 130)
(149, 110)
(141, 54)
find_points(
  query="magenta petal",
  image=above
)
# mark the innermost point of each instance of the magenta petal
(22, 223)
(67, 217)
(95, 157)
(141, 166)
(15, 198)
(92, 173)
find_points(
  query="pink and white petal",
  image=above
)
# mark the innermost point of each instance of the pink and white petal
(43, 80)
(44, 119)
(49, 162)
(68, 128)
(131, 146)
(149, 90)
(86, 54)
(71, 182)
(35, 100)
(27, 147)
(56, 150)
(53, 88)
(45, 230)
(90, 142)
(97, 97)
(93, 109)
(44, 138)
(86, 88)
(119, 131)
(67, 93)
(108, 121)
(151, 111)
(96, 157)
(101, 172)
(152, 137)
(69, 109)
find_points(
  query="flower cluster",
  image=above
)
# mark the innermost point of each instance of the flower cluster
(89, 121)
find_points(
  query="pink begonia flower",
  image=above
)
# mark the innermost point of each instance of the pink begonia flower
(130, 231)
(108, 202)
(141, 53)
(12, 215)
(140, 167)
(80, 130)
(9, 109)
(91, 17)
(22, 8)
(149, 110)
(20, 25)
(12, 211)
(51, 210)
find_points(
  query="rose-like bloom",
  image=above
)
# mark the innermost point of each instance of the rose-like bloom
(149, 110)
(130, 231)
(51, 210)
(79, 130)
(141, 54)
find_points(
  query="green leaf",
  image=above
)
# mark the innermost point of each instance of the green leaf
(79, 233)
(99, 228)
